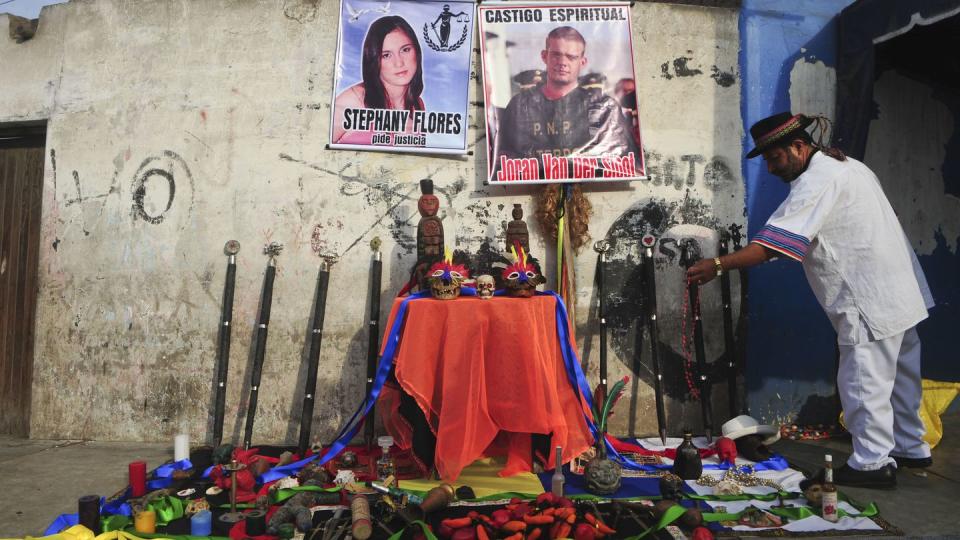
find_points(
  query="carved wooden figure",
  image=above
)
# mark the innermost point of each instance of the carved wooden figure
(517, 230)
(429, 233)
(430, 228)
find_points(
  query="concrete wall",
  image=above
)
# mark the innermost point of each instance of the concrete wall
(174, 126)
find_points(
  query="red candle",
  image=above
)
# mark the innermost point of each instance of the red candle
(138, 478)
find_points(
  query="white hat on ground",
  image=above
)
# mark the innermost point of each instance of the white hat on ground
(747, 425)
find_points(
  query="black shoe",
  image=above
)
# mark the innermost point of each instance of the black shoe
(882, 478)
(913, 463)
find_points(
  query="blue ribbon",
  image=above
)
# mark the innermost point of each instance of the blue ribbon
(117, 506)
(582, 388)
(62, 522)
(164, 473)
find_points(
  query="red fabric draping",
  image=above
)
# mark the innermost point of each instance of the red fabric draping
(486, 374)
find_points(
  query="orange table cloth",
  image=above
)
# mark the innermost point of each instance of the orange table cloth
(487, 374)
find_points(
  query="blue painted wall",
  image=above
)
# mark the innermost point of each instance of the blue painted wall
(790, 351)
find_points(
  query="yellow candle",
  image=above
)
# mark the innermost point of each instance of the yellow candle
(145, 522)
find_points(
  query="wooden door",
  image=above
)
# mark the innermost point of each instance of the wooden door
(21, 180)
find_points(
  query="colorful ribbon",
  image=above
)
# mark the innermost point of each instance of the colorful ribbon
(167, 509)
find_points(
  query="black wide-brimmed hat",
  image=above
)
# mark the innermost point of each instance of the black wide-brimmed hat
(773, 129)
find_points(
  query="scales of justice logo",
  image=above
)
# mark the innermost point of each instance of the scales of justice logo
(441, 30)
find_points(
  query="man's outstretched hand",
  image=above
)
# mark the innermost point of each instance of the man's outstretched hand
(701, 272)
(705, 269)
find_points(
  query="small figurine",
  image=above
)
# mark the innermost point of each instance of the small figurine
(485, 286)
(671, 487)
(445, 278)
(517, 231)
(430, 228)
(521, 278)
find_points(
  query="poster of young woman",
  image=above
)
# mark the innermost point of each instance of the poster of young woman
(560, 93)
(402, 77)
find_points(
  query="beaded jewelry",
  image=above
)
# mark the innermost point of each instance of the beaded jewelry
(744, 476)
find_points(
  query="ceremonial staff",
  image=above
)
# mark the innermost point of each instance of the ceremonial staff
(650, 292)
(313, 354)
(744, 275)
(601, 247)
(263, 320)
(690, 253)
(231, 248)
(373, 338)
(728, 341)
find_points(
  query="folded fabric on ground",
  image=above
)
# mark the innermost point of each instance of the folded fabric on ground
(483, 477)
(723, 511)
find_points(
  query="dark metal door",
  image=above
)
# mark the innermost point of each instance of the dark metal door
(21, 181)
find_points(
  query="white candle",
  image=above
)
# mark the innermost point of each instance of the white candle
(181, 447)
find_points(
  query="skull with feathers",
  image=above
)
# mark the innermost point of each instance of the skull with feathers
(445, 278)
(521, 278)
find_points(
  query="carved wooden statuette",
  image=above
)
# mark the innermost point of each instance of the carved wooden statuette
(429, 233)
(517, 230)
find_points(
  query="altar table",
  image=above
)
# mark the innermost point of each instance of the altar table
(486, 374)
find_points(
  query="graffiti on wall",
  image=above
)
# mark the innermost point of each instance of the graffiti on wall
(153, 189)
(686, 229)
(160, 173)
(686, 170)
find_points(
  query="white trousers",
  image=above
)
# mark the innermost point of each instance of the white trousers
(879, 384)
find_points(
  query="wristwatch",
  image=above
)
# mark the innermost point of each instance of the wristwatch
(718, 266)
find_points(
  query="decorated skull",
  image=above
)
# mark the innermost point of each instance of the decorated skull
(445, 278)
(602, 476)
(521, 278)
(814, 494)
(485, 286)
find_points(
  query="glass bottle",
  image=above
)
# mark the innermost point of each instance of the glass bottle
(403, 496)
(687, 464)
(386, 467)
(556, 481)
(828, 505)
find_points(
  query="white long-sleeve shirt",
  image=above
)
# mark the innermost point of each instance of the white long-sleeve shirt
(837, 221)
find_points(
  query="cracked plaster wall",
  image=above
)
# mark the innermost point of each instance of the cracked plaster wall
(174, 126)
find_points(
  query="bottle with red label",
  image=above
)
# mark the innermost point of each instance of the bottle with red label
(828, 508)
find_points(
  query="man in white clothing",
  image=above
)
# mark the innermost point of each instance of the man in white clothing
(838, 223)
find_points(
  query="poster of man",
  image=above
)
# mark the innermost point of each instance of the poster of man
(402, 76)
(559, 92)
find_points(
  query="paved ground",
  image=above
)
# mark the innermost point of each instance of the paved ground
(41, 479)
(920, 506)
